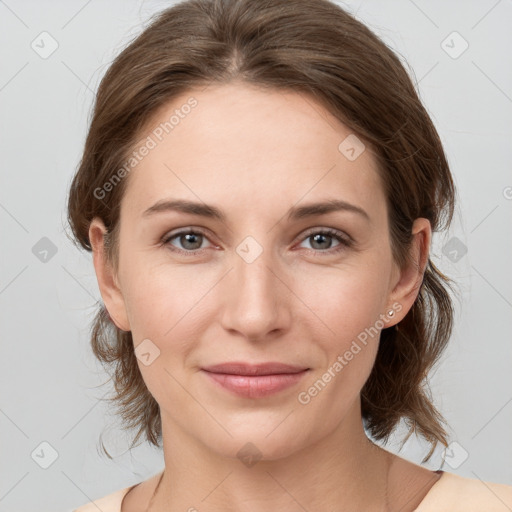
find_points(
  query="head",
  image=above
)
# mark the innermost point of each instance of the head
(255, 111)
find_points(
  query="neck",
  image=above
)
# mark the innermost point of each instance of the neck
(343, 471)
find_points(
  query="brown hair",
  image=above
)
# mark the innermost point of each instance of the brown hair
(313, 47)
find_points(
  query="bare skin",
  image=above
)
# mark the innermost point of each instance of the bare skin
(255, 154)
(408, 485)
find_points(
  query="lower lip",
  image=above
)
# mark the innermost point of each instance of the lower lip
(256, 386)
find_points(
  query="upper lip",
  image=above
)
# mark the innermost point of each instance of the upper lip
(240, 368)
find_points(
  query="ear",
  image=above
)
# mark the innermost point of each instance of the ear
(408, 283)
(107, 280)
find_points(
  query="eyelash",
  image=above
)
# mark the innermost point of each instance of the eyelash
(345, 241)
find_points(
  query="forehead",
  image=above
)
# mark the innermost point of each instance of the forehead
(238, 142)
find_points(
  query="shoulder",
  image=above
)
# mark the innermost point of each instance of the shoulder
(137, 499)
(110, 503)
(453, 493)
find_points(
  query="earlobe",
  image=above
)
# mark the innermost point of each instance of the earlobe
(107, 279)
(407, 288)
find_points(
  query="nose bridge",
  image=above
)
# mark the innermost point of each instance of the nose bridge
(256, 297)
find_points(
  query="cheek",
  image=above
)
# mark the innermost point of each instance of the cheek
(346, 328)
(346, 299)
(164, 306)
(347, 302)
(160, 297)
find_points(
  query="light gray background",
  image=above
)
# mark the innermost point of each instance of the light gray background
(50, 382)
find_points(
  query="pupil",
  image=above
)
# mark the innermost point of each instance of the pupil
(319, 237)
(189, 237)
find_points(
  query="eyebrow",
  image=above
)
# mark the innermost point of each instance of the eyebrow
(295, 213)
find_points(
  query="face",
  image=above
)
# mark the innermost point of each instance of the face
(268, 279)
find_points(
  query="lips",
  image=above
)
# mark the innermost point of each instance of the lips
(239, 368)
(254, 381)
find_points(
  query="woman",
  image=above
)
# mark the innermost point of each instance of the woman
(229, 142)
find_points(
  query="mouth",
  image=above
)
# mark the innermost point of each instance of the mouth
(254, 381)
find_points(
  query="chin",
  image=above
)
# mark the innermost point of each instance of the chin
(256, 444)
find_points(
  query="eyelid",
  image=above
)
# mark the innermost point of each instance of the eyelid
(331, 231)
(165, 240)
(346, 241)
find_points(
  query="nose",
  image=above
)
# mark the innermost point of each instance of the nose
(256, 298)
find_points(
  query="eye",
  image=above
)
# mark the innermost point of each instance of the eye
(322, 240)
(190, 239)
